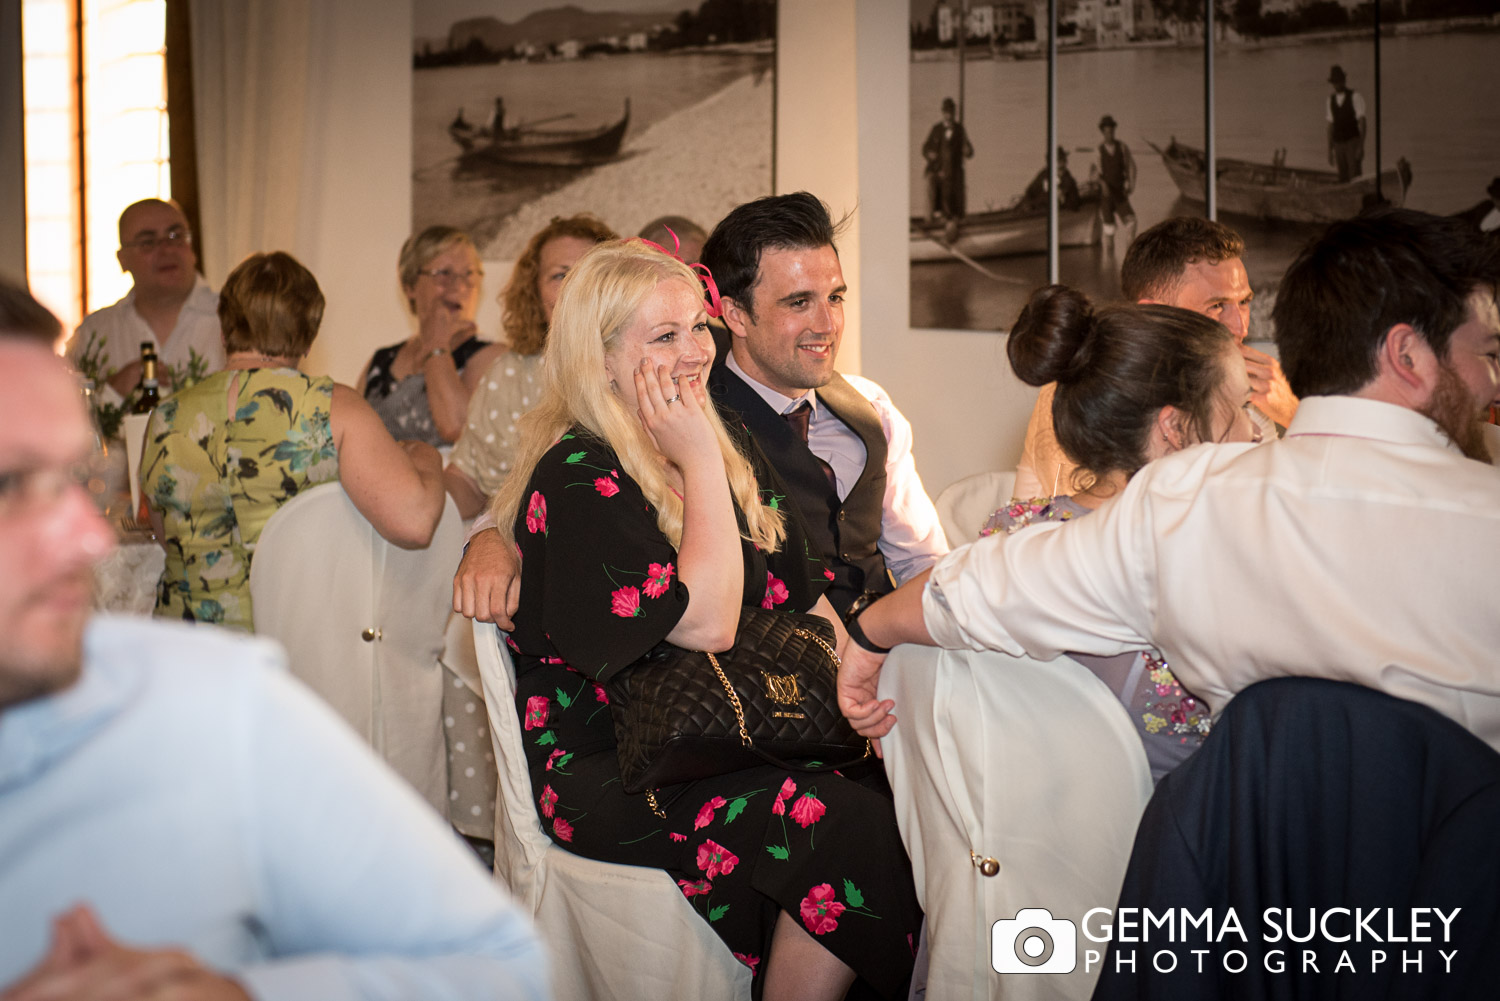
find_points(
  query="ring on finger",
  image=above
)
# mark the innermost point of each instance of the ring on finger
(674, 399)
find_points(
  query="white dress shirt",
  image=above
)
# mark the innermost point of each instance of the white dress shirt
(1361, 547)
(121, 331)
(911, 536)
(197, 797)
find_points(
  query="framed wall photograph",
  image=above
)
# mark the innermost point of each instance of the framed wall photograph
(523, 110)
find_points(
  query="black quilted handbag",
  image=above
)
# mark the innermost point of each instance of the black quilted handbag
(683, 714)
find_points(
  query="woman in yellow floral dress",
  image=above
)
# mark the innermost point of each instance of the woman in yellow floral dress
(222, 456)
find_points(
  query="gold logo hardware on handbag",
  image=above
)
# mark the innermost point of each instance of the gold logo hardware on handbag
(783, 690)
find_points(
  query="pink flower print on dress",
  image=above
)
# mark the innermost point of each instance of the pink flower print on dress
(706, 812)
(714, 859)
(536, 712)
(606, 486)
(562, 829)
(600, 695)
(626, 602)
(808, 809)
(536, 513)
(548, 800)
(551, 760)
(691, 889)
(776, 591)
(820, 911)
(750, 961)
(787, 789)
(677, 837)
(828, 573)
(658, 578)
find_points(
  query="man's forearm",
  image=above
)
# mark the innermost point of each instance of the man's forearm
(897, 618)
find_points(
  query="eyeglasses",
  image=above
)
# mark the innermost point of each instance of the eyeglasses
(445, 277)
(176, 237)
(27, 491)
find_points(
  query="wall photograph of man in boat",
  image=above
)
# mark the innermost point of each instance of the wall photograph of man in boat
(1303, 136)
(523, 110)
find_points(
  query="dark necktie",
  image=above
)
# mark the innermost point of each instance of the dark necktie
(798, 418)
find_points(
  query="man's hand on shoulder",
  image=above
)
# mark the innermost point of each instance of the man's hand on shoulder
(1269, 390)
(487, 585)
(85, 963)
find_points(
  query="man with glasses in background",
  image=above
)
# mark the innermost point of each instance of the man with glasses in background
(170, 305)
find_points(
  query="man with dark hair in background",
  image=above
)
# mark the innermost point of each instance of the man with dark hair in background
(173, 788)
(1188, 262)
(838, 442)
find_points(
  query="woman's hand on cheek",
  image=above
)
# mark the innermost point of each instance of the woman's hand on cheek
(681, 428)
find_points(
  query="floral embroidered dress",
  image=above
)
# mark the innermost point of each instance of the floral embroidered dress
(216, 478)
(1171, 721)
(599, 588)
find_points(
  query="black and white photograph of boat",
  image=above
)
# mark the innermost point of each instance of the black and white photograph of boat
(523, 110)
(1296, 102)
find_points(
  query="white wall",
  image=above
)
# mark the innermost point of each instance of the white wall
(358, 201)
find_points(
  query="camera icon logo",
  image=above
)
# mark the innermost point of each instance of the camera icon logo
(1034, 942)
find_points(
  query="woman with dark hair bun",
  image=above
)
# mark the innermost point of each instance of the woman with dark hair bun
(1134, 383)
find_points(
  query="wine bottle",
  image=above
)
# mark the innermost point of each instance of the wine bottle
(148, 393)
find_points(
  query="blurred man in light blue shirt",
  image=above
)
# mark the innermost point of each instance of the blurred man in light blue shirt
(177, 815)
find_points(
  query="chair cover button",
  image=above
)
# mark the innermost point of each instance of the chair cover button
(369, 635)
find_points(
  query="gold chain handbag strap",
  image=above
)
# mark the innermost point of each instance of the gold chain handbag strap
(739, 709)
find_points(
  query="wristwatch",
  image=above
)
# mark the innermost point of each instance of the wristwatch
(857, 634)
(436, 352)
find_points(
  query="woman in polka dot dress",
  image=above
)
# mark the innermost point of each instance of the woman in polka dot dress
(486, 449)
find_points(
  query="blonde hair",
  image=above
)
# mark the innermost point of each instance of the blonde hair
(599, 298)
(522, 315)
(271, 304)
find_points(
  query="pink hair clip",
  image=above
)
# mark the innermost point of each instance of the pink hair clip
(714, 308)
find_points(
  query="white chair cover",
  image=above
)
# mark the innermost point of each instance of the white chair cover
(965, 505)
(1034, 764)
(615, 932)
(362, 621)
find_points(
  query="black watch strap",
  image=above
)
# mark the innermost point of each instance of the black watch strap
(857, 634)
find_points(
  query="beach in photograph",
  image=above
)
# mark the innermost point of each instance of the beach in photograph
(699, 141)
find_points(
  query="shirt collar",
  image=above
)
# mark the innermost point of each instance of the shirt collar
(35, 734)
(1352, 417)
(202, 299)
(778, 402)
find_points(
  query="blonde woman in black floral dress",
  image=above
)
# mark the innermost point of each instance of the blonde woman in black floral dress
(638, 519)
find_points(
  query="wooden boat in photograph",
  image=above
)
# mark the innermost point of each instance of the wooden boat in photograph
(527, 144)
(1276, 191)
(1004, 232)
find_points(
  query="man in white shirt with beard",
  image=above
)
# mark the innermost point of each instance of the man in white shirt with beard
(1361, 547)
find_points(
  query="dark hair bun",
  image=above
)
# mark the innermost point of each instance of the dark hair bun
(1050, 341)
